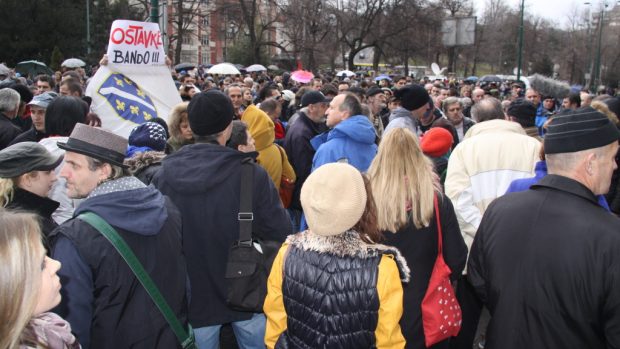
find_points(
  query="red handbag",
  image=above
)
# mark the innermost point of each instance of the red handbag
(286, 185)
(441, 312)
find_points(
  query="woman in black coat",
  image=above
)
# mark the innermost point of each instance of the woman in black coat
(404, 186)
(26, 177)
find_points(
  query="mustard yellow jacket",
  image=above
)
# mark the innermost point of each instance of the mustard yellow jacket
(389, 288)
(270, 156)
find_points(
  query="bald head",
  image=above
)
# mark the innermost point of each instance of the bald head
(487, 109)
(477, 95)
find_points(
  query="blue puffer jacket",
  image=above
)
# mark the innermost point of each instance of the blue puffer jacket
(351, 141)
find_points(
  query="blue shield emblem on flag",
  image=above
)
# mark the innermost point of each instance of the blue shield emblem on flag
(127, 99)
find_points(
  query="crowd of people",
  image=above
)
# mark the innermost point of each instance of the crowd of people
(362, 182)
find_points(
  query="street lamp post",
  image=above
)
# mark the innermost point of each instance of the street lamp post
(597, 66)
(154, 11)
(88, 27)
(520, 41)
(589, 66)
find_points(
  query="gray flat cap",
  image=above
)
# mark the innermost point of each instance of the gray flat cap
(26, 157)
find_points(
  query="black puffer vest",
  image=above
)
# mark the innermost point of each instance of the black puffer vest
(330, 291)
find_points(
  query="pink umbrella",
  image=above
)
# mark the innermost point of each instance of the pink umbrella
(302, 76)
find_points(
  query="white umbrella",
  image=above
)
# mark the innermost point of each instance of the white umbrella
(255, 67)
(273, 67)
(224, 69)
(346, 73)
(73, 63)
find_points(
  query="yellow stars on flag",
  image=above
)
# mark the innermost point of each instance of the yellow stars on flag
(134, 109)
(140, 93)
(119, 82)
(147, 116)
(120, 105)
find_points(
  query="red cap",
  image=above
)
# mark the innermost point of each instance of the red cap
(436, 142)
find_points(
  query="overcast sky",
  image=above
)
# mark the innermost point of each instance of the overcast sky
(554, 10)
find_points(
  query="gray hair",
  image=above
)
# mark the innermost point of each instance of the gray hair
(351, 104)
(566, 162)
(9, 100)
(449, 101)
(227, 89)
(489, 108)
(466, 102)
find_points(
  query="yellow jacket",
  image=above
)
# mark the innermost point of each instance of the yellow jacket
(274, 161)
(389, 288)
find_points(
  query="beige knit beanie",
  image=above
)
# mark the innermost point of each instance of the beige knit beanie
(333, 199)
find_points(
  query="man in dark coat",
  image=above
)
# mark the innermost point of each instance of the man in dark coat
(545, 261)
(9, 106)
(204, 181)
(38, 106)
(299, 150)
(102, 299)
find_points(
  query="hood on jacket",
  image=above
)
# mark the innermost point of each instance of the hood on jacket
(497, 125)
(141, 160)
(399, 112)
(260, 126)
(198, 167)
(357, 128)
(140, 209)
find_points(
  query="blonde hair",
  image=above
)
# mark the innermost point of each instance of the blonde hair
(402, 181)
(177, 115)
(7, 189)
(8, 185)
(21, 253)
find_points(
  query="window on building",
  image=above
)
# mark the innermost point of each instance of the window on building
(205, 40)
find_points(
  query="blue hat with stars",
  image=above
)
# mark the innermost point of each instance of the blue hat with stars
(149, 136)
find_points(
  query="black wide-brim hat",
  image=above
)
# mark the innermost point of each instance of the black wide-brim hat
(96, 143)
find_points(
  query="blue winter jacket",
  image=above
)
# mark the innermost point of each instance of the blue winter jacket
(351, 141)
(541, 171)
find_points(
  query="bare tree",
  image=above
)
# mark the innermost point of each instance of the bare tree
(356, 20)
(307, 25)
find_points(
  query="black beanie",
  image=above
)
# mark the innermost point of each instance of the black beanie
(209, 112)
(577, 130)
(522, 109)
(25, 95)
(412, 97)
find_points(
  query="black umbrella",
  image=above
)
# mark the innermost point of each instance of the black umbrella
(184, 66)
(32, 68)
(490, 78)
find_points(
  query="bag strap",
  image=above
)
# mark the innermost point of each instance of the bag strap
(186, 340)
(245, 215)
(440, 235)
(281, 153)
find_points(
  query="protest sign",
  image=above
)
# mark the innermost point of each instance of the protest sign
(129, 92)
(135, 43)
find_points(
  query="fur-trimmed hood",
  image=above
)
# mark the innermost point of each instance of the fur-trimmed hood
(348, 244)
(142, 160)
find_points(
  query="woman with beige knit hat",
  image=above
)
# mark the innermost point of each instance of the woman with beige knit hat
(333, 286)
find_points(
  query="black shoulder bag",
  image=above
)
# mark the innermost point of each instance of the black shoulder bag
(249, 260)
